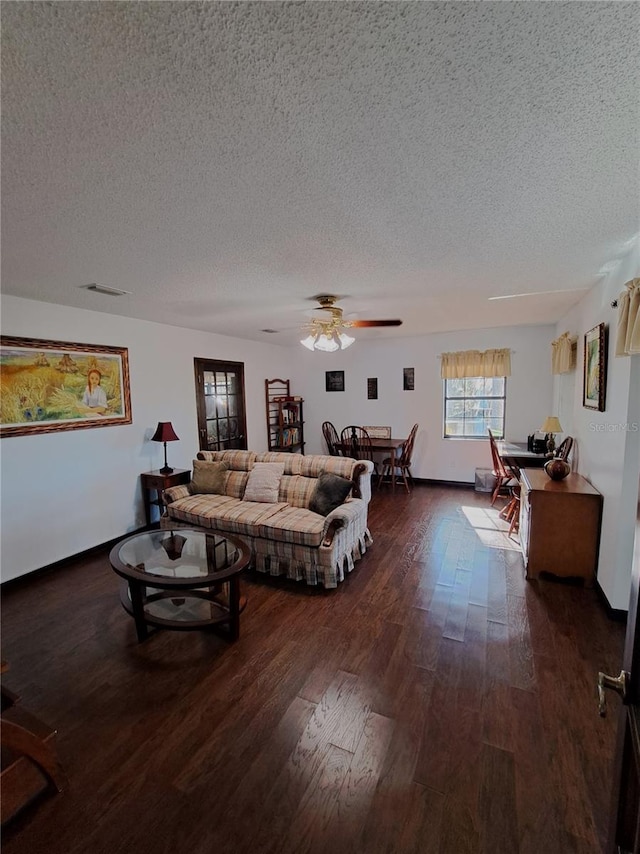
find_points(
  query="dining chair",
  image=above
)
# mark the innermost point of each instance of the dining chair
(401, 464)
(564, 448)
(359, 442)
(502, 475)
(331, 438)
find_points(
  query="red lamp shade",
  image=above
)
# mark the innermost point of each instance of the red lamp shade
(164, 433)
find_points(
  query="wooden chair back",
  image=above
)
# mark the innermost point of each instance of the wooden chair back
(564, 448)
(499, 468)
(331, 438)
(359, 441)
(407, 448)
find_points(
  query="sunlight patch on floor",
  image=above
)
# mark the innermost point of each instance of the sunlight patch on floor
(491, 530)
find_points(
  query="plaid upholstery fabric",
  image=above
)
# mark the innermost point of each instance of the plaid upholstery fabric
(201, 510)
(354, 510)
(236, 483)
(294, 525)
(246, 517)
(313, 466)
(238, 460)
(292, 462)
(175, 492)
(297, 490)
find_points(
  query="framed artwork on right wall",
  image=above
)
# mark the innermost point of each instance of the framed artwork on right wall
(594, 380)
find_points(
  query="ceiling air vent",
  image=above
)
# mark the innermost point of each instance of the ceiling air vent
(104, 289)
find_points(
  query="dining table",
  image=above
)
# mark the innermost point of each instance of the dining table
(389, 446)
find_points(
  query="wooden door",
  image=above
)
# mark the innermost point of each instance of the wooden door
(624, 834)
(221, 406)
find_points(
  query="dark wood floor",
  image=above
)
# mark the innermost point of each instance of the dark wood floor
(436, 702)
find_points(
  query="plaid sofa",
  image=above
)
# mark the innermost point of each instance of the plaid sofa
(286, 538)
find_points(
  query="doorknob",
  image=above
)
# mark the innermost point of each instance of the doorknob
(615, 683)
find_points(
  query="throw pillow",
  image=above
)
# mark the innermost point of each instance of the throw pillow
(208, 477)
(264, 482)
(330, 492)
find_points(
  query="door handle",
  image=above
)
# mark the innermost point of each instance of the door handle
(614, 683)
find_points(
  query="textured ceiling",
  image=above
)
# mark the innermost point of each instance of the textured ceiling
(224, 162)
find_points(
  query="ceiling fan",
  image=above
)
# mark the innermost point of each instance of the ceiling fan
(327, 324)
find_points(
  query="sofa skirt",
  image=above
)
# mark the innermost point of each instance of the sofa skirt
(324, 565)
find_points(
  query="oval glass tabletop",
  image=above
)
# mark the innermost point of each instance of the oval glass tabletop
(179, 556)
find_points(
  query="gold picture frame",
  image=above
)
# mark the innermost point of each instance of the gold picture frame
(49, 386)
(594, 378)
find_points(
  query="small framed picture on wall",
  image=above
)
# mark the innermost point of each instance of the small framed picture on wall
(334, 381)
(372, 388)
(408, 379)
(595, 368)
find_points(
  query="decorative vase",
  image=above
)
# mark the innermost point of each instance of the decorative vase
(557, 468)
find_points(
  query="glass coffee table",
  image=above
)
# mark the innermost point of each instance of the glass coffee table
(182, 580)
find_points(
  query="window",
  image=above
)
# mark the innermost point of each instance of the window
(474, 405)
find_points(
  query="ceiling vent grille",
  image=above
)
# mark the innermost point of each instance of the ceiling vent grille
(104, 289)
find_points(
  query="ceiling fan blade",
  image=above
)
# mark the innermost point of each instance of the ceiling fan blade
(364, 323)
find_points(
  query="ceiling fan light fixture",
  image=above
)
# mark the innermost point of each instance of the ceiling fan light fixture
(308, 342)
(345, 340)
(327, 338)
(326, 343)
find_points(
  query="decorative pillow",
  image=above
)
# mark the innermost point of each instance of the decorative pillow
(208, 477)
(264, 482)
(330, 492)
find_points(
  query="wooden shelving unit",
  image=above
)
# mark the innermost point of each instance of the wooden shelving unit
(285, 418)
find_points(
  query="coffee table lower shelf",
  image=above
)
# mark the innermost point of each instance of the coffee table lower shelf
(188, 607)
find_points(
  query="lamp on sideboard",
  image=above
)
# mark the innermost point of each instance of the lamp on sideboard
(551, 425)
(165, 433)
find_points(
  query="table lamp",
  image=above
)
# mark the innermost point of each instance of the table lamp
(165, 433)
(551, 425)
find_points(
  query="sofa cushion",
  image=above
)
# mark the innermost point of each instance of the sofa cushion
(331, 491)
(294, 525)
(198, 509)
(264, 482)
(208, 477)
(223, 513)
(245, 517)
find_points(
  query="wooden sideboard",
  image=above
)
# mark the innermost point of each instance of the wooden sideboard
(559, 525)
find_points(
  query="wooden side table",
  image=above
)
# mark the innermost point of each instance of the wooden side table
(155, 481)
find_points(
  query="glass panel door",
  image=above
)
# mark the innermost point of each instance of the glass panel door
(221, 405)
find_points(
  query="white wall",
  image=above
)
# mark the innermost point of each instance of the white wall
(66, 492)
(607, 450)
(529, 392)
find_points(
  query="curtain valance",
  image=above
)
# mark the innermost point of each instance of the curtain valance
(475, 363)
(628, 333)
(563, 354)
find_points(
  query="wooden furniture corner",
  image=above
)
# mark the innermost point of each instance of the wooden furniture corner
(29, 761)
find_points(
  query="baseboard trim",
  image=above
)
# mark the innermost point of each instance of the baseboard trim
(28, 577)
(616, 614)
